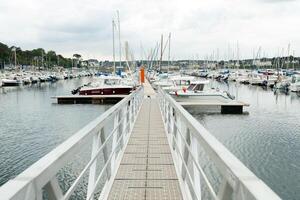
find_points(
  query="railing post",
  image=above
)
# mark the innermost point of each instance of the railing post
(166, 111)
(128, 117)
(32, 192)
(53, 189)
(225, 191)
(105, 150)
(176, 126)
(196, 177)
(124, 127)
(115, 138)
(185, 152)
(133, 109)
(93, 168)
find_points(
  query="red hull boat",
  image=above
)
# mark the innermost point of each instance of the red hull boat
(106, 91)
(108, 85)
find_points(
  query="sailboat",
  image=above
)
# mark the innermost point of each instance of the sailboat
(12, 80)
(108, 85)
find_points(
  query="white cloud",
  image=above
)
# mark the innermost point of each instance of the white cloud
(198, 27)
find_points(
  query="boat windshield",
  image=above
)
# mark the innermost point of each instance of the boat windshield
(111, 81)
(182, 82)
(191, 87)
(196, 87)
(199, 87)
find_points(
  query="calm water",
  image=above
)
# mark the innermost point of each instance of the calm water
(32, 125)
(267, 140)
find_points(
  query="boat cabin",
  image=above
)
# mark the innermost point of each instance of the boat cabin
(197, 86)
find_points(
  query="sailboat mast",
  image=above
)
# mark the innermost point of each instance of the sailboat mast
(114, 56)
(15, 55)
(238, 55)
(293, 60)
(169, 51)
(43, 59)
(161, 51)
(120, 49)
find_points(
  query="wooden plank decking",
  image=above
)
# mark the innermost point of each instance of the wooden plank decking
(147, 170)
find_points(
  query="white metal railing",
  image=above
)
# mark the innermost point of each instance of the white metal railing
(206, 169)
(40, 181)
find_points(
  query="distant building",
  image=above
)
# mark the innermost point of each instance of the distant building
(262, 63)
(93, 63)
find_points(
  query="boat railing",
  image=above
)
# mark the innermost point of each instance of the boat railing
(105, 138)
(206, 169)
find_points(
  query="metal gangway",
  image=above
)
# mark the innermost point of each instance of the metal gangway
(147, 146)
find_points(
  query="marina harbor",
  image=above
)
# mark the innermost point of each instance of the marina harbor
(146, 145)
(161, 170)
(150, 100)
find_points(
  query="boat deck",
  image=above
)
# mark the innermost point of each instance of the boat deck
(147, 170)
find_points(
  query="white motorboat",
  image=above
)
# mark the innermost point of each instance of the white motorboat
(10, 82)
(243, 78)
(161, 80)
(256, 79)
(198, 91)
(270, 80)
(295, 84)
(178, 83)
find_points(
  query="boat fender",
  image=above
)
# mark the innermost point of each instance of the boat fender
(184, 89)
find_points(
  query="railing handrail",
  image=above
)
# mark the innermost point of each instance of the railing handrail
(42, 171)
(236, 173)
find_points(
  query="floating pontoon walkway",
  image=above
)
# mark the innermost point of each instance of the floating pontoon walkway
(147, 170)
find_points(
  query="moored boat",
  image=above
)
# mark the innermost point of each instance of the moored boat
(106, 85)
(198, 91)
(10, 82)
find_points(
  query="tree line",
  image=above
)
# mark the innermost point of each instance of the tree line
(36, 57)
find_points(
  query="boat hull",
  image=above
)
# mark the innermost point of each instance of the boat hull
(202, 97)
(6, 83)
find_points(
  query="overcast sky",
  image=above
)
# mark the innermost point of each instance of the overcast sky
(198, 27)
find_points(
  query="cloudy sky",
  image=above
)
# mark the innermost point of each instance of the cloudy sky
(199, 28)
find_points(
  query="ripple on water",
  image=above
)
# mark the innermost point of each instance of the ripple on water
(31, 126)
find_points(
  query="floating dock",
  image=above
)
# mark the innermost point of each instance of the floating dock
(232, 107)
(89, 99)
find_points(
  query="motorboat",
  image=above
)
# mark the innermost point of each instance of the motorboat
(270, 80)
(243, 78)
(282, 83)
(256, 79)
(106, 85)
(295, 83)
(178, 83)
(198, 91)
(10, 82)
(161, 80)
